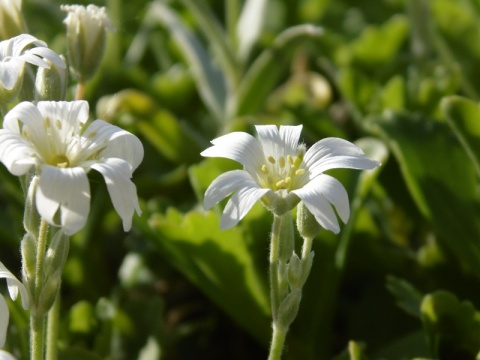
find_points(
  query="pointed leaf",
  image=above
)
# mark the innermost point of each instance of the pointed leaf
(210, 82)
(249, 26)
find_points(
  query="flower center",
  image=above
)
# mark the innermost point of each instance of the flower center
(60, 161)
(282, 173)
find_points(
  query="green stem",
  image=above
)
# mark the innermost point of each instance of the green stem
(274, 258)
(232, 11)
(52, 329)
(307, 247)
(278, 339)
(37, 328)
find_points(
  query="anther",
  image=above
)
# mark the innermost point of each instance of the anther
(300, 172)
(264, 169)
(290, 159)
(280, 184)
(271, 160)
(281, 162)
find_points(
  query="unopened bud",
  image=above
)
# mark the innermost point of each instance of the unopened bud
(86, 33)
(307, 225)
(31, 218)
(11, 19)
(288, 309)
(51, 83)
(28, 249)
(56, 254)
(48, 294)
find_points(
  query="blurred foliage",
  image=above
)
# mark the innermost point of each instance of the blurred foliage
(400, 281)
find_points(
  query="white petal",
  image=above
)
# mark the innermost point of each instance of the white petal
(120, 143)
(16, 153)
(335, 153)
(238, 146)
(66, 189)
(70, 115)
(317, 196)
(48, 54)
(225, 184)
(15, 286)
(239, 205)
(121, 189)
(270, 139)
(6, 356)
(290, 136)
(4, 315)
(10, 72)
(20, 42)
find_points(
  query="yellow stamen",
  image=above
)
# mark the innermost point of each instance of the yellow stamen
(264, 169)
(281, 162)
(281, 184)
(290, 159)
(271, 160)
(300, 172)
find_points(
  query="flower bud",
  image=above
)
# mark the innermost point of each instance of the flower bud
(307, 225)
(28, 249)
(11, 19)
(31, 218)
(298, 270)
(48, 294)
(86, 38)
(288, 309)
(56, 254)
(51, 83)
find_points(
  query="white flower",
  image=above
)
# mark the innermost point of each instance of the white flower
(50, 137)
(11, 19)
(277, 170)
(14, 287)
(85, 37)
(14, 53)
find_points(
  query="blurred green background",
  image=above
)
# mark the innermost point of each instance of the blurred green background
(400, 281)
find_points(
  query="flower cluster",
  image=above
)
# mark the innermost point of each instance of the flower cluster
(51, 138)
(281, 172)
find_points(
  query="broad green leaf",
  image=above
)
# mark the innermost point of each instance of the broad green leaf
(463, 116)
(441, 180)
(408, 298)
(367, 51)
(452, 326)
(219, 263)
(265, 71)
(249, 26)
(210, 83)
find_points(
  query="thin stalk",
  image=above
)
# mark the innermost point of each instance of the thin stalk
(37, 328)
(52, 329)
(307, 247)
(232, 11)
(80, 91)
(274, 257)
(278, 339)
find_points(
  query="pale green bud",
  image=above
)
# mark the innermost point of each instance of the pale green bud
(51, 83)
(28, 249)
(57, 253)
(280, 202)
(48, 293)
(31, 218)
(282, 279)
(288, 309)
(11, 19)
(298, 270)
(307, 225)
(86, 33)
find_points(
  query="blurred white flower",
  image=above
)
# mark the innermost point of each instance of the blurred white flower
(14, 287)
(50, 137)
(14, 53)
(11, 19)
(278, 171)
(85, 37)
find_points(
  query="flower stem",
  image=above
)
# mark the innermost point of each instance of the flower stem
(278, 339)
(80, 91)
(52, 329)
(37, 328)
(274, 257)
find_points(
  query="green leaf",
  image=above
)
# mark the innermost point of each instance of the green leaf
(441, 180)
(249, 26)
(265, 71)
(220, 263)
(210, 82)
(408, 298)
(463, 115)
(452, 326)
